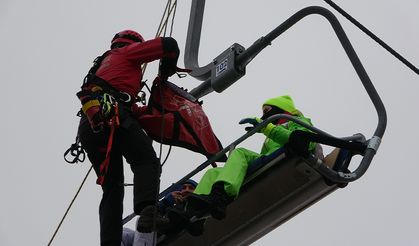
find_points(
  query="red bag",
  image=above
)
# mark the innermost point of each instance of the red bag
(185, 122)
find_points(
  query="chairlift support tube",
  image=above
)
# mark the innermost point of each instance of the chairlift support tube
(246, 56)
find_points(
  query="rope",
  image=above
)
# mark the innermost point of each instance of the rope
(373, 36)
(169, 9)
(173, 18)
(71, 204)
(167, 155)
(163, 22)
(163, 25)
(156, 199)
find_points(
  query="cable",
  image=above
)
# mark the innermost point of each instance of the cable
(71, 204)
(173, 18)
(167, 156)
(163, 23)
(373, 36)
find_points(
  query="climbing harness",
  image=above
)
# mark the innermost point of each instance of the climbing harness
(96, 64)
(113, 123)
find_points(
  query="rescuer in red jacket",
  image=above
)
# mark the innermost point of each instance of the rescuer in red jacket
(108, 130)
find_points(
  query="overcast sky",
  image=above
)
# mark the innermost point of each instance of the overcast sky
(48, 46)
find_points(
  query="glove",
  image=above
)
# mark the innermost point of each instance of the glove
(166, 68)
(298, 144)
(253, 121)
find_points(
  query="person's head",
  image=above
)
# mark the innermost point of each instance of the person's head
(188, 187)
(125, 37)
(279, 105)
(183, 191)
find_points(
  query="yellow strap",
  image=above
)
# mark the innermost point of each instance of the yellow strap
(89, 104)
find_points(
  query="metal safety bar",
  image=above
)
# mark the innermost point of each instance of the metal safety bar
(256, 129)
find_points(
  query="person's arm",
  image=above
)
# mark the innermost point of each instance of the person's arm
(281, 134)
(277, 133)
(165, 203)
(165, 48)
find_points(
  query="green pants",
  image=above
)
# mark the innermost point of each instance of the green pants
(232, 173)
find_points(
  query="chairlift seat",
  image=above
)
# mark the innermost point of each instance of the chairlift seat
(276, 188)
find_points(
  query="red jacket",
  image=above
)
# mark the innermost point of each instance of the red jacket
(122, 66)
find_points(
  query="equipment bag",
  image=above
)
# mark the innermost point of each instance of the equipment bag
(182, 118)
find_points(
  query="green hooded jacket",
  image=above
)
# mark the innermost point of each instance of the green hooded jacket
(277, 136)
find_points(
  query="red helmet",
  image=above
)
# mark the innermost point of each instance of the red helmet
(126, 36)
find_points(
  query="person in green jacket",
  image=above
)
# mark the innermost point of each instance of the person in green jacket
(221, 185)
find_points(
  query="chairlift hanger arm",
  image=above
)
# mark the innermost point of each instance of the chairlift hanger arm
(246, 56)
(193, 40)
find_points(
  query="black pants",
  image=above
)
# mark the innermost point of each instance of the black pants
(130, 142)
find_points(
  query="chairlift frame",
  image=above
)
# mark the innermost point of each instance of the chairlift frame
(239, 58)
(243, 225)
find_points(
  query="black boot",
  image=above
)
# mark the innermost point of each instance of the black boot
(151, 220)
(220, 200)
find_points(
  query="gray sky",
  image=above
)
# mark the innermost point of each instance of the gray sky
(48, 46)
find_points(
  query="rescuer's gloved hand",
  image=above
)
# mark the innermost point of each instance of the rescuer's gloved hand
(253, 121)
(166, 68)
